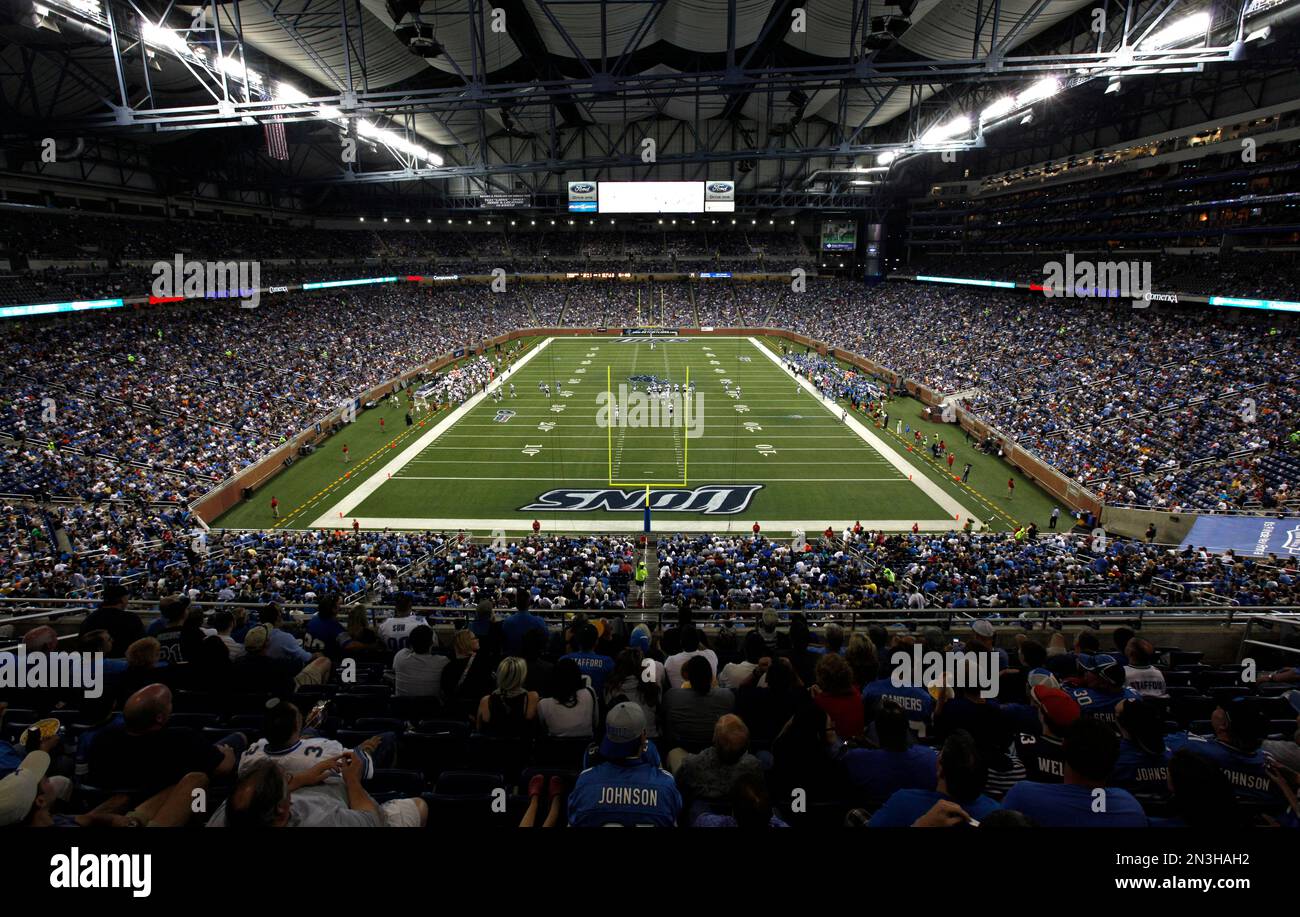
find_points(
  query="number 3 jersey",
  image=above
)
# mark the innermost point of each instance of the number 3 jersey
(302, 756)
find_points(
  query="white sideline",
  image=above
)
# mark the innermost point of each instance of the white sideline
(407, 455)
(919, 478)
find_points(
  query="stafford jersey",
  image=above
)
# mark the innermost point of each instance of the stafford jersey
(1098, 705)
(1043, 757)
(611, 795)
(1140, 772)
(1245, 771)
(302, 756)
(395, 632)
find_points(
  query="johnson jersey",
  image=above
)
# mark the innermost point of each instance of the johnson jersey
(1043, 757)
(395, 632)
(1097, 705)
(1245, 771)
(1141, 772)
(916, 701)
(302, 756)
(1072, 806)
(608, 794)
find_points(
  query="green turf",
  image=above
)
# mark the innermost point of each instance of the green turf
(812, 467)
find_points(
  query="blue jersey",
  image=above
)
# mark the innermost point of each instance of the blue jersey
(879, 773)
(1099, 705)
(916, 701)
(1245, 771)
(636, 796)
(1067, 805)
(1139, 771)
(325, 635)
(906, 806)
(594, 666)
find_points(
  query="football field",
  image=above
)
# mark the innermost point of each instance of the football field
(751, 443)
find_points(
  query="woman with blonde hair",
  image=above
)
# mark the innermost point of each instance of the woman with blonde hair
(510, 710)
(467, 677)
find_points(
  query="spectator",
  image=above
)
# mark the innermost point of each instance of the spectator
(751, 807)
(836, 693)
(960, 780)
(511, 709)
(417, 672)
(735, 674)
(1085, 798)
(692, 644)
(268, 797)
(625, 784)
(898, 764)
(637, 680)
(571, 709)
(691, 711)
(711, 775)
(112, 616)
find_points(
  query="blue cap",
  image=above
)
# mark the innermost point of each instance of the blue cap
(1104, 665)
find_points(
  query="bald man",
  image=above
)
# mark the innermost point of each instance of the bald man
(143, 755)
(710, 775)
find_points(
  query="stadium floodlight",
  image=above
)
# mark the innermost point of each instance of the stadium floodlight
(884, 159)
(944, 132)
(1113, 86)
(396, 142)
(1045, 88)
(1001, 107)
(1186, 28)
(1260, 34)
(88, 7)
(869, 169)
(159, 37)
(233, 67)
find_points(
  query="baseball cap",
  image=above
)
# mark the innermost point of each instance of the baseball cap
(18, 791)
(623, 730)
(1041, 676)
(983, 628)
(256, 638)
(1103, 665)
(1060, 708)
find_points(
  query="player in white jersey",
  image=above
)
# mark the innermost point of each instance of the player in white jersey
(297, 754)
(512, 390)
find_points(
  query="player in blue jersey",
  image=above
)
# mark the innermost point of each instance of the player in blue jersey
(1086, 798)
(1236, 748)
(625, 787)
(1143, 765)
(1103, 687)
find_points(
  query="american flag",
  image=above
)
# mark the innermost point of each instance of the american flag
(277, 147)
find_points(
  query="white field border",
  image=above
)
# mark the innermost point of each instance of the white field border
(904, 467)
(738, 523)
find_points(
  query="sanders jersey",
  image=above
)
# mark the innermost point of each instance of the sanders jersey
(302, 756)
(1244, 770)
(916, 701)
(642, 795)
(1098, 705)
(1043, 757)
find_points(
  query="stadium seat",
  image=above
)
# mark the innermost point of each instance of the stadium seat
(390, 783)
(509, 756)
(555, 752)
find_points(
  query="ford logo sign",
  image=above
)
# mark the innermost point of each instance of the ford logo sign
(582, 188)
(720, 187)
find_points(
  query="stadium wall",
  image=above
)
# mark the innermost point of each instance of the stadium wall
(1171, 528)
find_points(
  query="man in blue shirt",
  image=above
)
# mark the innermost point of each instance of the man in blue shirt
(1143, 765)
(1236, 748)
(625, 787)
(593, 665)
(1103, 687)
(961, 778)
(1085, 799)
(896, 765)
(914, 699)
(324, 633)
(520, 623)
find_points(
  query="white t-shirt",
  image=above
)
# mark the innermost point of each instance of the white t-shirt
(578, 721)
(673, 665)
(418, 674)
(735, 674)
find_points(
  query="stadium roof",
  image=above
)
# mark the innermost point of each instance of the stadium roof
(771, 92)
